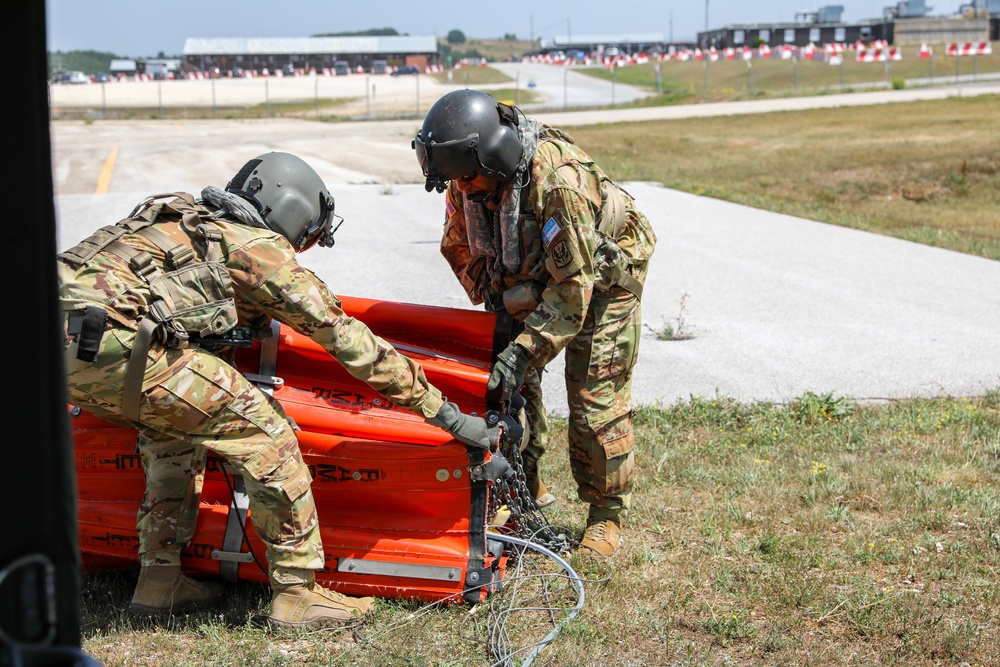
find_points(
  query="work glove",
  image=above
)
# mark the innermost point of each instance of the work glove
(508, 373)
(462, 427)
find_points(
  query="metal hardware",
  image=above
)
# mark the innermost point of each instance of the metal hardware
(390, 569)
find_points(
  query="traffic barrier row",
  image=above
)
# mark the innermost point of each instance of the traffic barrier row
(878, 50)
(969, 49)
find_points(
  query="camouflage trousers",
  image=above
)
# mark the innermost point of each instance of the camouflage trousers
(194, 402)
(598, 375)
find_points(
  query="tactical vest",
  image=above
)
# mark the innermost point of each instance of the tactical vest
(191, 296)
(611, 264)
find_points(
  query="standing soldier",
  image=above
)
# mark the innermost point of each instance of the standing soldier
(148, 300)
(534, 227)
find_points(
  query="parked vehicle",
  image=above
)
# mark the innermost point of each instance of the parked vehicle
(406, 69)
(75, 77)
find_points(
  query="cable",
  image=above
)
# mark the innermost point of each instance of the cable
(573, 578)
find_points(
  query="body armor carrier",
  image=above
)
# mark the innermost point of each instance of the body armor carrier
(191, 297)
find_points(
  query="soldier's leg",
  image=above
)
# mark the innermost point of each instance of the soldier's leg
(599, 364)
(197, 397)
(175, 472)
(538, 427)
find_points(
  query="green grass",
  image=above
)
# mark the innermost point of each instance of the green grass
(815, 533)
(704, 81)
(923, 171)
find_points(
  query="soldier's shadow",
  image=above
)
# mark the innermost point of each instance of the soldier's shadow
(105, 596)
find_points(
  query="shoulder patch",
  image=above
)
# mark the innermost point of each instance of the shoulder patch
(561, 254)
(449, 208)
(550, 231)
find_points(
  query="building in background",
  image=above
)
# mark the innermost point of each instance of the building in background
(906, 22)
(236, 55)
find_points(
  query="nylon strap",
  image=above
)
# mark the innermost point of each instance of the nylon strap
(612, 212)
(136, 370)
(612, 223)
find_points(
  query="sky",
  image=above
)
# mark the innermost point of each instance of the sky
(139, 28)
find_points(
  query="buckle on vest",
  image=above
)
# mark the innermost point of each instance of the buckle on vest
(142, 264)
(208, 232)
(180, 255)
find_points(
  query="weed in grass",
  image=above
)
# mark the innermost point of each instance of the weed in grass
(676, 329)
(726, 627)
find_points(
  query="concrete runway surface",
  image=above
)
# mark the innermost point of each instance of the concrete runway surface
(775, 306)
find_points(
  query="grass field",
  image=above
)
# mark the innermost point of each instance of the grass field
(925, 171)
(694, 81)
(817, 533)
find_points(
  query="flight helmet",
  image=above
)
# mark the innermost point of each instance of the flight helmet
(465, 133)
(289, 196)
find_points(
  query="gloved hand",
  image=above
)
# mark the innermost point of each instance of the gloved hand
(463, 427)
(508, 373)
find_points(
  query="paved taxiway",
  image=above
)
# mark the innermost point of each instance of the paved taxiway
(776, 306)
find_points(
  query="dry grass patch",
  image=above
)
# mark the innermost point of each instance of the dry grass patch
(815, 533)
(923, 171)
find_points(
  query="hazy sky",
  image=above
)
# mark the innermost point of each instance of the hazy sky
(138, 28)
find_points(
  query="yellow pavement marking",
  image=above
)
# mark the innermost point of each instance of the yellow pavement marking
(104, 178)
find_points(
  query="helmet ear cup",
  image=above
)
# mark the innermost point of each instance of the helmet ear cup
(289, 195)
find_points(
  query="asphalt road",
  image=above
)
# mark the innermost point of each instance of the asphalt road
(774, 306)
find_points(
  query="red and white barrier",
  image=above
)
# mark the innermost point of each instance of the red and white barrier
(878, 55)
(973, 49)
(925, 52)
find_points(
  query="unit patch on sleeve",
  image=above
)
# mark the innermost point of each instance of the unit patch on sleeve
(449, 208)
(561, 254)
(550, 231)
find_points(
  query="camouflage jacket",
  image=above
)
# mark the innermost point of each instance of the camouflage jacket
(561, 210)
(267, 282)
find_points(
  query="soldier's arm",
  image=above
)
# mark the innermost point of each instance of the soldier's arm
(270, 278)
(470, 271)
(568, 237)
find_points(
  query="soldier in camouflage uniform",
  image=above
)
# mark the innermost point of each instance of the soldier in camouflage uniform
(535, 227)
(147, 303)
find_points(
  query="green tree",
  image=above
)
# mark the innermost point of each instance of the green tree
(456, 37)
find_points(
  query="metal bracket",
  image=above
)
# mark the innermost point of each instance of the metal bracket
(391, 569)
(270, 380)
(233, 556)
(488, 471)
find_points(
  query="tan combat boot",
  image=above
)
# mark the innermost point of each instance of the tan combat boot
(536, 488)
(166, 590)
(603, 536)
(309, 606)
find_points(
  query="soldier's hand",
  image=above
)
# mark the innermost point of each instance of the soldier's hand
(464, 428)
(507, 375)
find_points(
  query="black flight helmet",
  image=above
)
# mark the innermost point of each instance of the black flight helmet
(466, 133)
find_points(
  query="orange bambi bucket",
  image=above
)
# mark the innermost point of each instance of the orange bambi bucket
(402, 507)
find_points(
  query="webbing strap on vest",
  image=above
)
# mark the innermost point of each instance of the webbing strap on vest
(611, 225)
(136, 369)
(230, 556)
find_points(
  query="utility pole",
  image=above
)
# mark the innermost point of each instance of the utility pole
(706, 15)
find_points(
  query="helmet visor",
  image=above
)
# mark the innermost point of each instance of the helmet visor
(321, 229)
(447, 160)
